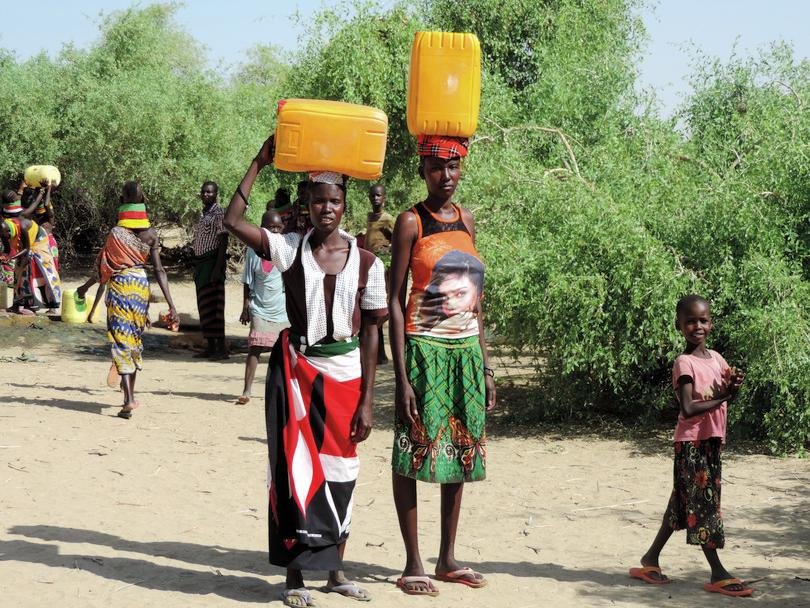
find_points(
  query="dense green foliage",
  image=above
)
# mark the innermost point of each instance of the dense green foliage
(594, 216)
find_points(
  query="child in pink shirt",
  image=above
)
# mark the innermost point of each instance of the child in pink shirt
(704, 385)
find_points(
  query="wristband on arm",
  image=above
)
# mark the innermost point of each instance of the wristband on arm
(242, 195)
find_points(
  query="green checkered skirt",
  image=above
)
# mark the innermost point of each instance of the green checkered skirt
(447, 444)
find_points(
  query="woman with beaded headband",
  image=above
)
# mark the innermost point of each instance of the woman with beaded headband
(120, 266)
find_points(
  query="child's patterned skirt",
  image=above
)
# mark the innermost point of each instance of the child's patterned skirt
(695, 501)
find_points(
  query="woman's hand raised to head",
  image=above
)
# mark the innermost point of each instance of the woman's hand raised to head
(268, 150)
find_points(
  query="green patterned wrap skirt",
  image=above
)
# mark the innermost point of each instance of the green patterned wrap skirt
(447, 443)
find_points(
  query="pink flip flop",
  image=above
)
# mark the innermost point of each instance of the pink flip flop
(465, 576)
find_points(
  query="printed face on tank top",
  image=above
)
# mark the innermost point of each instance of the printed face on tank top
(448, 279)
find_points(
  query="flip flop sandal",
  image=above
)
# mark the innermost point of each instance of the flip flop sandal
(126, 411)
(720, 587)
(465, 576)
(404, 581)
(350, 590)
(301, 594)
(243, 400)
(644, 575)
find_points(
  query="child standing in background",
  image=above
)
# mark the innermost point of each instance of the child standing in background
(379, 228)
(704, 384)
(264, 305)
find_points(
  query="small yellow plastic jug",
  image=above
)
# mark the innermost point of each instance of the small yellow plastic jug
(74, 308)
(316, 134)
(34, 175)
(444, 84)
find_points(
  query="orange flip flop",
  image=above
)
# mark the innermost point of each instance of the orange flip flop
(465, 576)
(720, 587)
(644, 575)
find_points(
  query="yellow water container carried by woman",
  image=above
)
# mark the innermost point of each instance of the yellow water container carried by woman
(35, 174)
(444, 85)
(74, 308)
(315, 134)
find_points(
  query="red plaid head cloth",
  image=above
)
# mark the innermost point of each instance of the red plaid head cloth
(442, 146)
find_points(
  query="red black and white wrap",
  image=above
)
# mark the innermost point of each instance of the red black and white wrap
(312, 463)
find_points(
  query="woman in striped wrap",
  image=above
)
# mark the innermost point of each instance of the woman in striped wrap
(121, 267)
(210, 244)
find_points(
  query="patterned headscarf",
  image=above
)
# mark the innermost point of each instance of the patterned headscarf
(327, 177)
(133, 215)
(442, 146)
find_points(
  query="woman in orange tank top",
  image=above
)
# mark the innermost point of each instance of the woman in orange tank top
(444, 385)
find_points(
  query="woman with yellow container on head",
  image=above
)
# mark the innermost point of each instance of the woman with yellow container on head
(444, 385)
(36, 278)
(320, 381)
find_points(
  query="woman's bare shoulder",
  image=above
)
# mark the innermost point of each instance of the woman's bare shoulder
(149, 236)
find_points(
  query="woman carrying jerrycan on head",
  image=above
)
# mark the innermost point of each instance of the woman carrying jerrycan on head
(319, 391)
(444, 385)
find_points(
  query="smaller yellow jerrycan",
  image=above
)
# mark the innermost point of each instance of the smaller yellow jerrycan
(74, 308)
(444, 84)
(36, 173)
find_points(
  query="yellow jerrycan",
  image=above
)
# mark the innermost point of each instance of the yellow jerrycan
(34, 175)
(74, 308)
(316, 134)
(444, 84)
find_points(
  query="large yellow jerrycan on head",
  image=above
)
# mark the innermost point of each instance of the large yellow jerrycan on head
(35, 174)
(444, 85)
(321, 135)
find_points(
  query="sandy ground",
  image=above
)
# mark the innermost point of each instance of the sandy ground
(169, 508)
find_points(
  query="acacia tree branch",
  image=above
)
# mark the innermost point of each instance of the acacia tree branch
(699, 163)
(792, 90)
(571, 163)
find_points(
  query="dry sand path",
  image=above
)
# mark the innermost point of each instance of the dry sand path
(169, 509)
